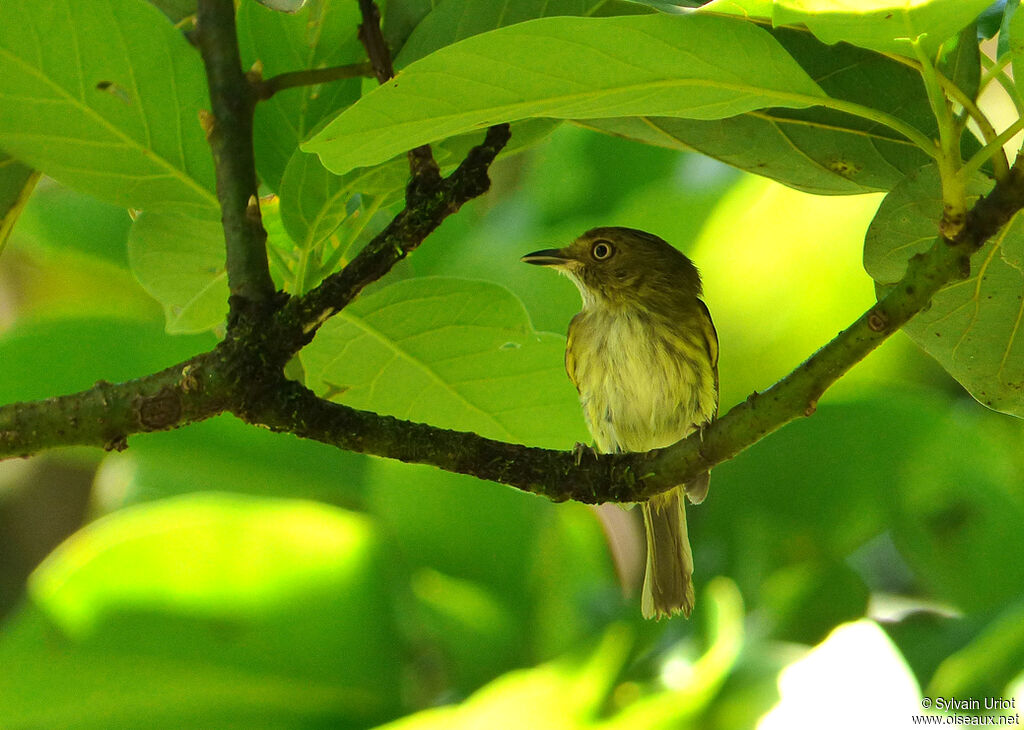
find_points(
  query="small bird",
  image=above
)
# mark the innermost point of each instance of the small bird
(643, 354)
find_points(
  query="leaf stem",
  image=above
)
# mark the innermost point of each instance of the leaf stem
(990, 149)
(995, 70)
(954, 192)
(957, 94)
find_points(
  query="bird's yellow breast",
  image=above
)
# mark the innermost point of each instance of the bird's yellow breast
(644, 383)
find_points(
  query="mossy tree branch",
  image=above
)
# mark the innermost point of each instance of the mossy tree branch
(288, 407)
(244, 373)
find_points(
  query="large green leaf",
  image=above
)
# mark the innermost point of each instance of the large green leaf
(452, 21)
(569, 68)
(180, 262)
(961, 63)
(207, 611)
(104, 96)
(818, 150)
(973, 326)
(58, 219)
(452, 352)
(16, 184)
(314, 202)
(67, 247)
(44, 358)
(888, 26)
(322, 34)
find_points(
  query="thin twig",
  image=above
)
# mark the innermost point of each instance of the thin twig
(426, 174)
(266, 88)
(373, 40)
(405, 232)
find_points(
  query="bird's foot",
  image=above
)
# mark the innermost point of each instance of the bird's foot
(578, 450)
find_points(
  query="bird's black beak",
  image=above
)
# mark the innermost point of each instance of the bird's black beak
(547, 257)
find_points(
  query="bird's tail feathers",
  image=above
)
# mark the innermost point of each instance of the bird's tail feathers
(668, 581)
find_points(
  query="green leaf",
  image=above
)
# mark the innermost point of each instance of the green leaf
(817, 150)
(960, 61)
(400, 18)
(973, 326)
(1016, 48)
(451, 352)
(322, 34)
(16, 184)
(57, 219)
(324, 214)
(888, 26)
(65, 284)
(68, 246)
(1000, 14)
(180, 262)
(314, 201)
(208, 610)
(452, 21)
(670, 6)
(112, 108)
(606, 67)
(284, 6)
(176, 10)
(693, 693)
(578, 691)
(78, 352)
(563, 694)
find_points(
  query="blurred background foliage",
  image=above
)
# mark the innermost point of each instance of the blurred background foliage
(221, 576)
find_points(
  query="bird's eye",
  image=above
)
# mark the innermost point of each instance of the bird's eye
(602, 250)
